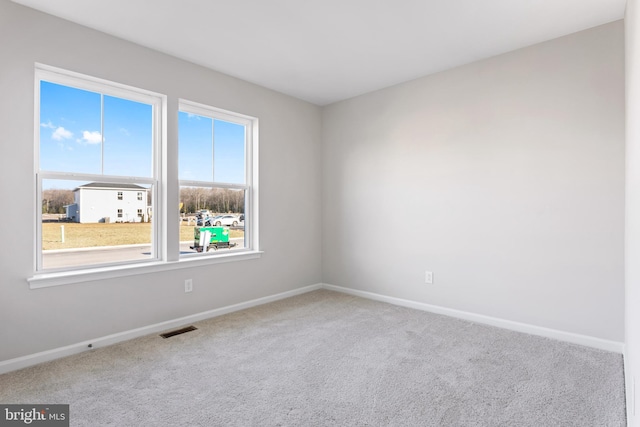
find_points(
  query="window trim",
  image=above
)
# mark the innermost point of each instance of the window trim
(250, 185)
(156, 180)
(166, 258)
(114, 271)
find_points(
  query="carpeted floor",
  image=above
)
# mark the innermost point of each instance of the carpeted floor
(329, 359)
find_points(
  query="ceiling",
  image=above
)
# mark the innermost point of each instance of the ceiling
(323, 51)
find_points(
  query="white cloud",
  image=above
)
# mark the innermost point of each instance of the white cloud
(193, 116)
(91, 137)
(61, 133)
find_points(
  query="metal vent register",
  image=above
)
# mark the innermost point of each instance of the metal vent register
(178, 332)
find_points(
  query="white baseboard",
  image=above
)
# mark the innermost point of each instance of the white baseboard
(56, 353)
(45, 356)
(585, 340)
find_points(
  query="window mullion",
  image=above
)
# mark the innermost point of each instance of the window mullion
(98, 178)
(102, 133)
(213, 149)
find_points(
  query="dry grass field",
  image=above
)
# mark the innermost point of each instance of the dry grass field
(90, 235)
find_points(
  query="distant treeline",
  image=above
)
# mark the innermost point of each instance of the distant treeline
(192, 200)
(218, 200)
(54, 200)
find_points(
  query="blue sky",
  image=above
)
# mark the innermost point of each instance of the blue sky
(210, 149)
(72, 140)
(71, 134)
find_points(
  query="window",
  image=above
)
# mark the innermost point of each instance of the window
(100, 180)
(96, 142)
(216, 176)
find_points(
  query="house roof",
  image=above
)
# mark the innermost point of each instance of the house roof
(106, 185)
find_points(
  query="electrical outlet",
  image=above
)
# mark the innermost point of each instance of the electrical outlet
(188, 285)
(428, 277)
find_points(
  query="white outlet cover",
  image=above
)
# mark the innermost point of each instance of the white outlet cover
(428, 277)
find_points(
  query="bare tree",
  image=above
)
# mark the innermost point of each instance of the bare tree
(54, 200)
(218, 200)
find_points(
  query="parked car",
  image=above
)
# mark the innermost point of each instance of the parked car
(203, 218)
(220, 220)
(203, 213)
(226, 220)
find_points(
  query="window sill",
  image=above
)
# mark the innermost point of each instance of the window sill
(46, 280)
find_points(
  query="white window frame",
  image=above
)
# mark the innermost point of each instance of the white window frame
(250, 185)
(93, 84)
(165, 251)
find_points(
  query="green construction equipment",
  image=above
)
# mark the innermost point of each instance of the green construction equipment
(206, 238)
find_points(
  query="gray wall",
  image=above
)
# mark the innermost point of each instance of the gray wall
(504, 177)
(290, 181)
(632, 254)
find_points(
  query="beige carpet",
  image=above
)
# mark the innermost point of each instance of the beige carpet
(329, 359)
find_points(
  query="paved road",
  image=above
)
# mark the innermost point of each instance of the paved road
(70, 258)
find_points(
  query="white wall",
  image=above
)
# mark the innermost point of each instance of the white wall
(290, 181)
(632, 254)
(504, 177)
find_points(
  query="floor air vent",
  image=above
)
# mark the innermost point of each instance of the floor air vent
(178, 332)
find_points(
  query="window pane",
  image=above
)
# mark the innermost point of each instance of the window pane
(128, 137)
(219, 211)
(84, 223)
(229, 151)
(195, 156)
(70, 138)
